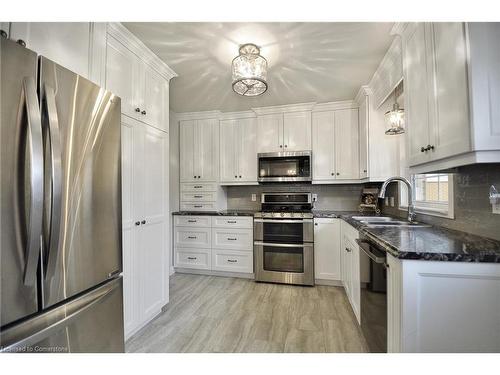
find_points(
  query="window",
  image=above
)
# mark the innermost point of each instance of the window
(433, 194)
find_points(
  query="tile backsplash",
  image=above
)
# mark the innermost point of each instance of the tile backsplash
(472, 206)
(330, 197)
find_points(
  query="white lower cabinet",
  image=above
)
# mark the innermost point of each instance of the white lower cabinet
(327, 249)
(351, 274)
(217, 243)
(232, 261)
(144, 223)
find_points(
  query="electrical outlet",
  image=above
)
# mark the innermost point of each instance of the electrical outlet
(315, 197)
(391, 199)
(386, 201)
(254, 197)
(496, 208)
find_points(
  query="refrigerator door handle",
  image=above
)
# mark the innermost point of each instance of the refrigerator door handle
(52, 139)
(29, 101)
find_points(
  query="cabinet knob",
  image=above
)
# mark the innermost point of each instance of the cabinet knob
(333, 174)
(143, 222)
(281, 146)
(347, 249)
(338, 174)
(316, 224)
(21, 42)
(143, 112)
(240, 176)
(137, 109)
(364, 170)
(286, 146)
(137, 223)
(235, 176)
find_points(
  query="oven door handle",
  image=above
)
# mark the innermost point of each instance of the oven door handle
(284, 221)
(258, 243)
(365, 246)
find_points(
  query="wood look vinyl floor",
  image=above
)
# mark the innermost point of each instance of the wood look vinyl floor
(223, 314)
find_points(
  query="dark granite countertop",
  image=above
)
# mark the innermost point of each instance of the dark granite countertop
(216, 213)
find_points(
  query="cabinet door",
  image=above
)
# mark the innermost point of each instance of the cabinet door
(155, 99)
(130, 138)
(323, 139)
(66, 43)
(270, 133)
(121, 75)
(416, 95)
(363, 137)
(297, 131)
(355, 280)
(450, 133)
(346, 144)
(327, 245)
(153, 240)
(187, 131)
(229, 136)
(247, 150)
(206, 150)
(346, 267)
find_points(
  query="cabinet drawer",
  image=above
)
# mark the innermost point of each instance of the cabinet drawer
(197, 187)
(193, 258)
(232, 239)
(232, 222)
(202, 206)
(192, 221)
(192, 237)
(198, 197)
(232, 261)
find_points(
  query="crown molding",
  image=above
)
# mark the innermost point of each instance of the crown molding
(364, 90)
(334, 106)
(237, 115)
(203, 115)
(284, 108)
(129, 40)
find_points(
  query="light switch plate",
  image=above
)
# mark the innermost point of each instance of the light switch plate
(254, 197)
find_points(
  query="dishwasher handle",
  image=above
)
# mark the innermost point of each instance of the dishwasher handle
(365, 246)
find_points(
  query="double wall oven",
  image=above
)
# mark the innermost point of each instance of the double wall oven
(284, 239)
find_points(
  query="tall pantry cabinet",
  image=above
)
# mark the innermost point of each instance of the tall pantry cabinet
(143, 88)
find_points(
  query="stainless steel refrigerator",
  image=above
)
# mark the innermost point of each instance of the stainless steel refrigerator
(61, 242)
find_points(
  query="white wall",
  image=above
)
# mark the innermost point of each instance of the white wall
(174, 172)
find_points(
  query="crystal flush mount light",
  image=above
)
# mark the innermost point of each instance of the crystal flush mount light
(249, 71)
(395, 118)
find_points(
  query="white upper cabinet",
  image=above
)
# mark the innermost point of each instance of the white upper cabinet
(199, 150)
(288, 131)
(323, 145)
(451, 72)
(335, 145)
(121, 75)
(238, 151)
(66, 43)
(297, 131)
(155, 96)
(270, 133)
(346, 144)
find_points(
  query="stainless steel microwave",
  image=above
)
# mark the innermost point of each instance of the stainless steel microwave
(287, 166)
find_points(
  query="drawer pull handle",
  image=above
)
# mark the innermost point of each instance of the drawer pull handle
(198, 206)
(192, 258)
(232, 261)
(231, 221)
(198, 196)
(231, 239)
(191, 221)
(198, 186)
(192, 237)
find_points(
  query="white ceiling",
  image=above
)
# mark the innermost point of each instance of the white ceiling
(307, 62)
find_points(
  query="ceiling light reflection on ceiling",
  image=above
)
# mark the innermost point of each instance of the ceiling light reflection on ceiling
(249, 71)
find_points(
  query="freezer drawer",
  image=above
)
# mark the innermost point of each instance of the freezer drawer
(91, 323)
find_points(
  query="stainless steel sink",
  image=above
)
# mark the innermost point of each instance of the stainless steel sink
(385, 221)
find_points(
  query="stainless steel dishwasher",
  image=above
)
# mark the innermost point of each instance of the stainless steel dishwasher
(374, 297)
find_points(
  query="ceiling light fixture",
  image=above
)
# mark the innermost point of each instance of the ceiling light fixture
(395, 118)
(249, 71)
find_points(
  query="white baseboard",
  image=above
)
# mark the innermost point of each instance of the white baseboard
(328, 282)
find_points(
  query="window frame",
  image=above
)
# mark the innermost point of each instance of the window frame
(445, 210)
